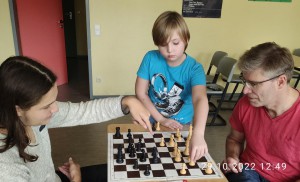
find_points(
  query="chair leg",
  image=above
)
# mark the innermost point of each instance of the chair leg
(297, 81)
(233, 92)
(217, 109)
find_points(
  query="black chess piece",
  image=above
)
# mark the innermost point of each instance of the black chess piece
(118, 134)
(129, 133)
(138, 147)
(136, 164)
(132, 153)
(143, 156)
(154, 150)
(147, 171)
(120, 155)
(155, 158)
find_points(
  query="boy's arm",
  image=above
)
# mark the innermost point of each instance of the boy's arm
(200, 103)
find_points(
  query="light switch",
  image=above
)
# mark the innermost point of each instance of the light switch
(97, 29)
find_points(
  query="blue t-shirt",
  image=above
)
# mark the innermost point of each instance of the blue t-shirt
(170, 88)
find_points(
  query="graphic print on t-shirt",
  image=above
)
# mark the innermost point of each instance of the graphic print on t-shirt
(168, 103)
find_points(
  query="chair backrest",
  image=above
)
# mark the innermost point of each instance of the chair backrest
(226, 67)
(215, 60)
(296, 52)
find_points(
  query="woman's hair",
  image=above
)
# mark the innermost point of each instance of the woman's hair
(270, 57)
(23, 82)
(166, 24)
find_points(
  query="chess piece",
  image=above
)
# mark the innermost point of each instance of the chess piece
(186, 151)
(183, 169)
(157, 126)
(179, 138)
(129, 133)
(147, 171)
(171, 142)
(175, 149)
(208, 169)
(118, 133)
(120, 155)
(178, 156)
(132, 153)
(138, 147)
(190, 132)
(177, 132)
(136, 164)
(143, 156)
(191, 163)
(155, 158)
(154, 150)
(162, 143)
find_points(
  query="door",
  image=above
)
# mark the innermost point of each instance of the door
(41, 34)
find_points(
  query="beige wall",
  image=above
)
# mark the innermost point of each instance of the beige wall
(6, 36)
(126, 35)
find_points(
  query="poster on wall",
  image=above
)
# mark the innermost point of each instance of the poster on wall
(274, 0)
(202, 8)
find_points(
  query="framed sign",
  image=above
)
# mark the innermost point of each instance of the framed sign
(202, 8)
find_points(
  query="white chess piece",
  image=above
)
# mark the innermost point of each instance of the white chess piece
(187, 151)
(171, 142)
(208, 169)
(183, 171)
(157, 126)
(162, 142)
(191, 163)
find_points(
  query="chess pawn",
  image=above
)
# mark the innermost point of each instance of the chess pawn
(162, 143)
(178, 156)
(175, 149)
(186, 152)
(179, 138)
(191, 163)
(157, 126)
(183, 171)
(208, 169)
(177, 133)
(171, 142)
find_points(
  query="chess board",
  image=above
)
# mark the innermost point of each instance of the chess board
(167, 169)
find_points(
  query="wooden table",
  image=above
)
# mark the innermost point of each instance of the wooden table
(137, 128)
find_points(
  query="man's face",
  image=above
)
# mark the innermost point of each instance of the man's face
(260, 89)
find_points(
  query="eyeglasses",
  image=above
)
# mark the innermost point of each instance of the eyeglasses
(252, 84)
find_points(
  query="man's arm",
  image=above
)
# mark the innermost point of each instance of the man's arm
(234, 148)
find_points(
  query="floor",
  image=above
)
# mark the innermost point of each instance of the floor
(88, 144)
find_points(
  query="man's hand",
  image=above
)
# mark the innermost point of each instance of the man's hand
(231, 165)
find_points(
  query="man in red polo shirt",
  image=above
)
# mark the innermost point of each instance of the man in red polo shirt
(263, 144)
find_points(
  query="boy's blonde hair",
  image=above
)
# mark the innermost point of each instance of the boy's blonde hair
(166, 24)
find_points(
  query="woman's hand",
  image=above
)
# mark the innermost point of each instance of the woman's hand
(138, 111)
(72, 170)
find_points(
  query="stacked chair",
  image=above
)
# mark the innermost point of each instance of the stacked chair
(215, 60)
(225, 68)
(296, 73)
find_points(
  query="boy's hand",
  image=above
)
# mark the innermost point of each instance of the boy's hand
(198, 147)
(171, 123)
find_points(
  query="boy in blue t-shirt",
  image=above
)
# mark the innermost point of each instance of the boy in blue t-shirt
(171, 84)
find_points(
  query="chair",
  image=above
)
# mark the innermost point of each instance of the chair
(235, 79)
(226, 68)
(215, 60)
(296, 72)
